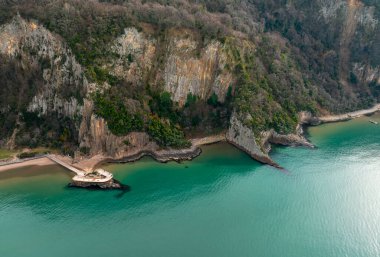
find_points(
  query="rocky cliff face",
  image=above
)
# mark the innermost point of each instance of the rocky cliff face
(200, 72)
(97, 138)
(255, 145)
(259, 146)
(358, 20)
(133, 55)
(182, 73)
(367, 73)
(64, 81)
(187, 68)
(361, 14)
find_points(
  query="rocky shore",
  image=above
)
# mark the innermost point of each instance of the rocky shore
(163, 156)
(178, 155)
(259, 146)
(148, 149)
(243, 138)
(238, 135)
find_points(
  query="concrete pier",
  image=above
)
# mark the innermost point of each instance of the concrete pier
(98, 177)
(65, 165)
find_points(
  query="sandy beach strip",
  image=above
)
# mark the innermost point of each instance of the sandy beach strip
(43, 161)
(209, 140)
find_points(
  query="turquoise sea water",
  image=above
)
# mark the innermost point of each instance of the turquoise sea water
(327, 204)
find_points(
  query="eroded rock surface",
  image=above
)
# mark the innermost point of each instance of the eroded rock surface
(63, 77)
(202, 75)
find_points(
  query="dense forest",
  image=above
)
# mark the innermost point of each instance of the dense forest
(285, 56)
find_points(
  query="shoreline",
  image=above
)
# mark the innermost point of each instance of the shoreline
(162, 156)
(178, 155)
(348, 116)
(35, 161)
(90, 164)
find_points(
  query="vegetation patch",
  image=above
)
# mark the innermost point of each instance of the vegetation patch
(165, 134)
(6, 154)
(119, 120)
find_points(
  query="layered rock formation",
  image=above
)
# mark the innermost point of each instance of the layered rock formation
(201, 75)
(134, 55)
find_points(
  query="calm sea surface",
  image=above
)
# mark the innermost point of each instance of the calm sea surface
(327, 204)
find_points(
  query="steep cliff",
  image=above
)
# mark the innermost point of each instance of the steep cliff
(356, 18)
(123, 78)
(64, 82)
(200, 72)
(55, 93)
(95, 137)
(133, 55)
(259, 146)
(243, 138)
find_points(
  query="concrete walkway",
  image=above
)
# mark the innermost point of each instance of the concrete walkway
(350, 115)
(65, 165)
(98, 176)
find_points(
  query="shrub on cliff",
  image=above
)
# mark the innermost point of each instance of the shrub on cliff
(119, 120)
(162, 105)
(165, 134)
